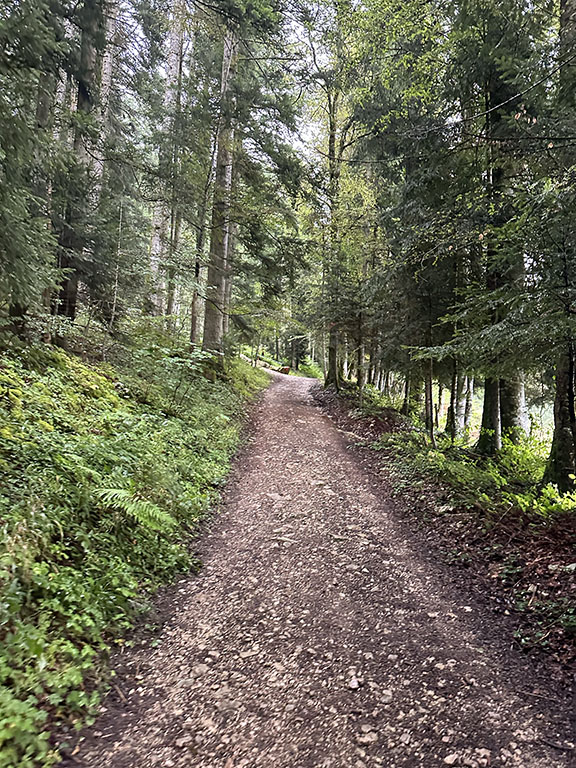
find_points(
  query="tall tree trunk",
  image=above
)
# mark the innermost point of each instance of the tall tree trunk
(199, 255)
(229, 277)
(216, 278)
(175, 226)
(386, 384)
(345, 365)
(469, 396)
(429, 404)
(438, 410)
(461, 392)
(490, 440)
(512, 405)
(405, 410)
(108, 69)
(164, 213)
(498, 273)
(72, 237)
(360, 361)
(451, 419)
(332, 378)
(561, 466)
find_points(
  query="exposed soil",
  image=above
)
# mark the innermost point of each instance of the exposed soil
(320, 632)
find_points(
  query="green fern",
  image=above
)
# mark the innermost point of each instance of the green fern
(144, 512)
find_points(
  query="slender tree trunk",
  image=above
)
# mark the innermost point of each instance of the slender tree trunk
(387, 383)
(377, 377)
(72, 236)
(405, 410)
(332, 378)
(196, 299)
(429, 405)
(229, 277)
(468, 403)
(41, 189)
(498, 274)
(175, 226)
(216, 278)
(360, 361)
(164, 211)
(438, 406)
(108, 69)
(371, 367)
(451, 419)
(200, 243)
(332, 374)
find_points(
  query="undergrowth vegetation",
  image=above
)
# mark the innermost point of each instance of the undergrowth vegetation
(494, 515)
(310, 369)
(510, 482)
(104, 476)
(506, 523)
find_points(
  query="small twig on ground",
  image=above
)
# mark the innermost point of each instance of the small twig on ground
(539, 696)
(120, 693)
(555, 745)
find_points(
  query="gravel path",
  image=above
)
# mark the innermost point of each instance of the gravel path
(319, 634)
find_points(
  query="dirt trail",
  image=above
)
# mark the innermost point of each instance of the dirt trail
(319, 634)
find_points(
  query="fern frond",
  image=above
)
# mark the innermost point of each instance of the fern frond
(145, 512)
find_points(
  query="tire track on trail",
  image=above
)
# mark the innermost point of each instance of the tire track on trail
(319, 634)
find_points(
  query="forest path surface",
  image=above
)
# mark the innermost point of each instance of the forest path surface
(320, 633)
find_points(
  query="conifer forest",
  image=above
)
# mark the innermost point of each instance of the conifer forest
(311, 263)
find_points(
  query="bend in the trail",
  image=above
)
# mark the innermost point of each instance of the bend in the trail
(319, 634)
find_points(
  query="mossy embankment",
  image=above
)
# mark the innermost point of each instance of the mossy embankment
(104, 476)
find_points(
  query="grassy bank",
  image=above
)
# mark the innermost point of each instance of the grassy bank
(104, 476)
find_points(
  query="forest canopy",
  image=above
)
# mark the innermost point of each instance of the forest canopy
(383, 191)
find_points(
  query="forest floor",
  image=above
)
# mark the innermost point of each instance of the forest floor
(322, 632)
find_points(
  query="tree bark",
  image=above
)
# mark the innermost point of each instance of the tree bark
(332, 377)
(429, 405)
(228, 279)
(361, 375)
(72, 239)
(561, 466)
(512, 406)
(490, 439)
(451, 423)
(438, 410)
(216, 278)
(468, 403)
(164, 210)
(405, 410)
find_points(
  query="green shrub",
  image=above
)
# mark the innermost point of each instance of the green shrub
(509, 482)
(311, 369)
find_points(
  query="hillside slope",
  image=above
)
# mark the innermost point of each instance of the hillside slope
(104, 478)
